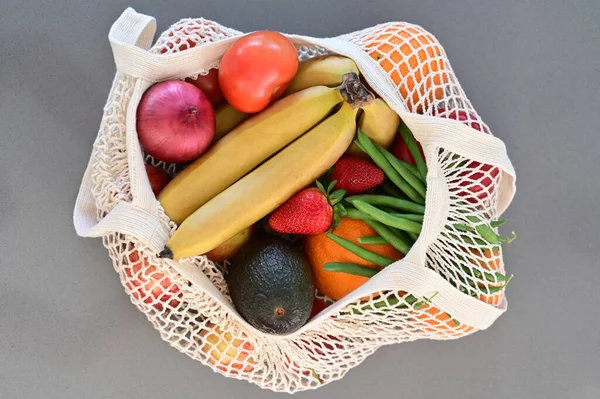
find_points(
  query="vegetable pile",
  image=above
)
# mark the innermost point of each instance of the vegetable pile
(304, 180)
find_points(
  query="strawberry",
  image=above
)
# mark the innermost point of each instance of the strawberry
(356, 175)
(311, 211)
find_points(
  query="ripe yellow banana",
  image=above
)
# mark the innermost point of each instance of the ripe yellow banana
(326, 70)
(246, 147)
(265, 188)
(227, 117)
(379, 122)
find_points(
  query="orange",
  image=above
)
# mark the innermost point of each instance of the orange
(489, 260)
(435, 321)
(320, 250)
(414, 60)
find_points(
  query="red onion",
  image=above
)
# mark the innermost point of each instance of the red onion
(175, 121)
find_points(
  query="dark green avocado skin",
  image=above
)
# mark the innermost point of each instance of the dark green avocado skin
(269, 273)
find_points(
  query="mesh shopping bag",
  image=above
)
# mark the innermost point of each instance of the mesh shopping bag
(426, 295)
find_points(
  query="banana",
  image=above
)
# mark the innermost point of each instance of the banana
(227, 117)
(325, 70)
(379, 122)
(265, 188)
(318, 71)
(246, 147)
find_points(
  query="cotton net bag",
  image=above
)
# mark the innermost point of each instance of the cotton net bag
(427, 294)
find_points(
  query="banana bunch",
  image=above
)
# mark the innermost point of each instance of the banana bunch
(264, 160)
(244, 148)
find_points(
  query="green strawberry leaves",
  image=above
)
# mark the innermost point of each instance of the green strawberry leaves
(321, 188)
(331, 186)
(339, 211)
(336, 196)
(333, 197)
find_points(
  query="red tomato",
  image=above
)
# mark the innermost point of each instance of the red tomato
(400, 150)
(477, 179)
(318, 306)
(158, 178)
(257, 69)
(209, 84)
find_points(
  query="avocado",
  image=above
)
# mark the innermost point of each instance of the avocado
(270, 283)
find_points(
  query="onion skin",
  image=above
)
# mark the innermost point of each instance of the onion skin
(175, 121)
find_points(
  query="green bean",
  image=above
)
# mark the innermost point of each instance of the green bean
(392, 190)
(316, 376)
(372, 240)
(405, 240)
(412, 168)
(360, 251)
(414, 236)
(384, 200)
(392, 238)
(404, 236)
(478, 287)
(411, 143)
(406, 174)
(493, 278)
(409, 216)
(420, 304)
(463, 227)
(486, 232)
(389, 171)
(497, 223)
(350, 268)
(389, 301)
(489, 235)
(472, 218)
(467, 240)
(360, 147)
(356, 214)
(392, 301)
(386, 218)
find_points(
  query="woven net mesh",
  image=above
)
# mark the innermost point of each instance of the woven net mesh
(198, 325)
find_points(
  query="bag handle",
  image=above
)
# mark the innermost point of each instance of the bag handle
(130, 38)
(140, 218)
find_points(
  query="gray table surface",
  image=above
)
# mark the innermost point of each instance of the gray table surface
(67, 329)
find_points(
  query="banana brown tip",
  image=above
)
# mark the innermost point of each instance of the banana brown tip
(354, 92)
(166, 253)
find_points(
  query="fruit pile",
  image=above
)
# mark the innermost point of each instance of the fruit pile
(298, 175)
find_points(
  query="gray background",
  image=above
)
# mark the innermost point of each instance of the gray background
(67, 330)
